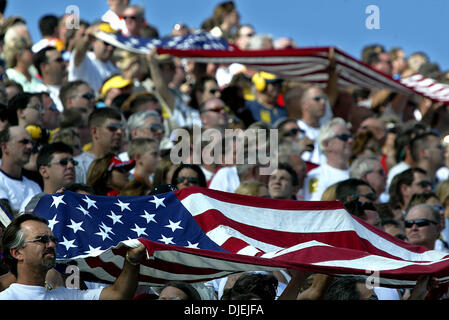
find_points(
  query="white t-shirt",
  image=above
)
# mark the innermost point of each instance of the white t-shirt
(226, 179)
(17, 190)
(316, 156)
(91, 70)
(84, 161)
(24, 292)
(318, 179)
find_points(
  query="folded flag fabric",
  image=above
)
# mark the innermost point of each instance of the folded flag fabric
(197, 234)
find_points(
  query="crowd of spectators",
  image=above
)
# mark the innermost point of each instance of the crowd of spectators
(77, 113)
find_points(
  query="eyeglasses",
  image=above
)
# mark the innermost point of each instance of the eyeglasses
(419, 223)
(217, 109)
(44, 239)
(114, 127)
(130, 17)
(64, 162)
(344, 137)
(319, 98)
(191, 180)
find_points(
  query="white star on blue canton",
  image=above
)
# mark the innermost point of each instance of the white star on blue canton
(103, 234)
(93, 251)
(52, 222)
(90, 202)
(173, 225)
(67, 243)
(76, 226)
(158, 202)
(140, 231)
(166, 240)
(106, 228)
(123, 205)
(84, 211)
(192, 245)
(148, 217)
(57, 200)
(115, 218)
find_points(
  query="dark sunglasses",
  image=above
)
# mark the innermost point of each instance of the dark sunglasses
(25, 141)
(156, 127)
(114, 127)
(371, 196)
(44, 239)
(418, 222)
(191, 180)
(213, 91)
(424, 184)
(319, 98)
(65, 161)
(88, 96)
(293, 132)
(344, 137)
(130, 17)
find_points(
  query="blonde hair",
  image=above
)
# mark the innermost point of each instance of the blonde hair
(250, 188)
(140, 145)
(442, 191)
(330, 194)
(16, 46)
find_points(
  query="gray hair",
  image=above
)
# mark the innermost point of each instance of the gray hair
(327, 131)
(435, 213)
(257, 41)
(137, 120)
(362, 165)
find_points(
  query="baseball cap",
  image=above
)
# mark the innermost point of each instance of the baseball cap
(116, 163)
(115, 82)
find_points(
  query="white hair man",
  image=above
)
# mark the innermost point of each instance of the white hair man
(335, 141)
(369, 169)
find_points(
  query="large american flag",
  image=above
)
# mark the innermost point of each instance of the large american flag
(197, 234)
(300, 64)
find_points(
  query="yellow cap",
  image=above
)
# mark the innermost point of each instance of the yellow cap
(115, 82)
(106, 27)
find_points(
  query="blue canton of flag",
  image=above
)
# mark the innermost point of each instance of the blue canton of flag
(88, 225)
(197, 40)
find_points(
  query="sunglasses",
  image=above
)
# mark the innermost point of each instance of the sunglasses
(419, 223)
(64, 162)
(319, 98)
(217, 109)
(191, 180)
(213, 91)
(293, 132)
(44, 239)
(130, 17)
(25, 141)
(370, 196)
(88, 96)
(424, 184)
(156, 127)
(344, 137)
(114, 127)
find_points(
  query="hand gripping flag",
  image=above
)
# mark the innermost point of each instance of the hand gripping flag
(196, 234)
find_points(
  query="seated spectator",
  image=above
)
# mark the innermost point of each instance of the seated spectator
(187, 175)
(108, 175)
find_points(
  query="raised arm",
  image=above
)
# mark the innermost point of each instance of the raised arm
(156, 75)
(125, 286)
(84, 38)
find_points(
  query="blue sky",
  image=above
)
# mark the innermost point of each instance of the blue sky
(411, 24)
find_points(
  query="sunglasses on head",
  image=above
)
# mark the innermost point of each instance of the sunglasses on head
(344, 137)
(418, 222)
(191, 180)
(65, 161)
(44, 239)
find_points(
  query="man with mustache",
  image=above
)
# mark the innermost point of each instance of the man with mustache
(16, 145)
(29, 248)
